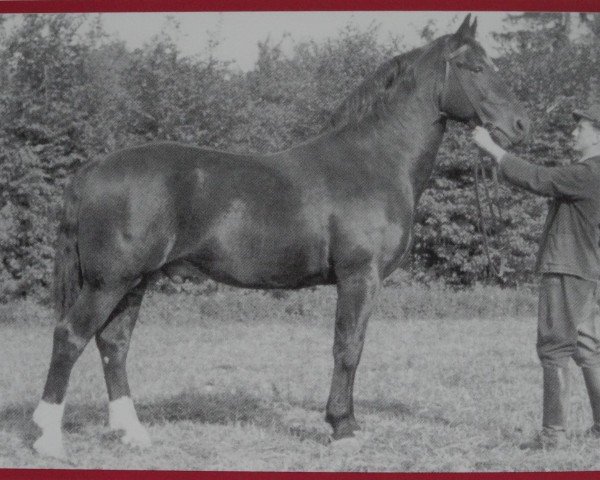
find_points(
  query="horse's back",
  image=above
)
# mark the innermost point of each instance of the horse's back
(242, 219)
(281, 220)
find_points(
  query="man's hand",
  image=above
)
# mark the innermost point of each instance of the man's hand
(483, 140)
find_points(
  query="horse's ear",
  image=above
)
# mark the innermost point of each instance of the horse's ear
(464, 31)
(474, 27)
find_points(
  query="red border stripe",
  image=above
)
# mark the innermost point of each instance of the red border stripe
(34, 474)
(81, 6)
(93, 6)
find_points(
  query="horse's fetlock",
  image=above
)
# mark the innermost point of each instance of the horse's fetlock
(343, 426)
(333, 420)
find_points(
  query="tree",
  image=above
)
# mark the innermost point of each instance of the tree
(43, 68)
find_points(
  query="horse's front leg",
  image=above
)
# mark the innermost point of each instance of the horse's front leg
(357, 290)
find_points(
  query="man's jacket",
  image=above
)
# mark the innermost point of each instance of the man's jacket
(570, 240)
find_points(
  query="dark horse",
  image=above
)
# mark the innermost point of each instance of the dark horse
(337, 209)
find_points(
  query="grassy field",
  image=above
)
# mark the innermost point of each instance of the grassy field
(238, 380)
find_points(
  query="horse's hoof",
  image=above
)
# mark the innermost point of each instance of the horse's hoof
(137, 437)
(50, 446)
(346, 446)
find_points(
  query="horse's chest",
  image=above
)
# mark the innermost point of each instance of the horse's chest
(377, 232)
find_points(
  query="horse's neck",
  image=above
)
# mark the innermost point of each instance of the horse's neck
(407, 137)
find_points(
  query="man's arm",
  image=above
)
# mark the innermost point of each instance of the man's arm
(575, 182)
(572, 181)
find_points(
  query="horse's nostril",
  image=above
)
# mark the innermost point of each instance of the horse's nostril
(520, 126)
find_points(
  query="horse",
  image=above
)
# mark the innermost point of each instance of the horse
(337, 209)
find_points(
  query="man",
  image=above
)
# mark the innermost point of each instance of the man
(569, 264)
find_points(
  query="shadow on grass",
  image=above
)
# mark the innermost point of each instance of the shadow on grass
(225, 409)
(388, 407)
(213, 408)
(17, 419)
(219, 408)
(400, 409)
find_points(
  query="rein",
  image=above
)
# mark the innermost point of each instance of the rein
(491, 201)
(479, 172)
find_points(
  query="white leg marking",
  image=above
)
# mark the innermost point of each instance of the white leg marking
(122, 416)
(48, 416)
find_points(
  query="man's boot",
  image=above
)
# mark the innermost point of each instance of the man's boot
(555, 408)
(591, 375)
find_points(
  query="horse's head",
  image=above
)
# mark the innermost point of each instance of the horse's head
(474, 92)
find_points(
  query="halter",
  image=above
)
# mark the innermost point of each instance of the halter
(450, 66)
(474, 105)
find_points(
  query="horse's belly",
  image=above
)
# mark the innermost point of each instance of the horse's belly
(258, 251)
(243, 263)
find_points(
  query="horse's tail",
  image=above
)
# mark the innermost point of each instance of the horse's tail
(67, 268)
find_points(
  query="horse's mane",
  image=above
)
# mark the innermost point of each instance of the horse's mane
(373, 93)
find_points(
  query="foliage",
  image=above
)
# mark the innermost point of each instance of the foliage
(72, 93)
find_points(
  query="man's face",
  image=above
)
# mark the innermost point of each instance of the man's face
(585, 136)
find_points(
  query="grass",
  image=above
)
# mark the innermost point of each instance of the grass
(238, 380)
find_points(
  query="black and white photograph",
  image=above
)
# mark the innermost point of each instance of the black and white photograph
(300, 241)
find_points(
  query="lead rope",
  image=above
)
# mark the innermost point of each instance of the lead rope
(496, 219)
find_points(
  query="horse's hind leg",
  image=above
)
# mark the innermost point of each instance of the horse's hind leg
(71, 335)
(356, 294)
(113, 343)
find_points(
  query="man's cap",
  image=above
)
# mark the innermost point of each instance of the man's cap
(592, 113)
